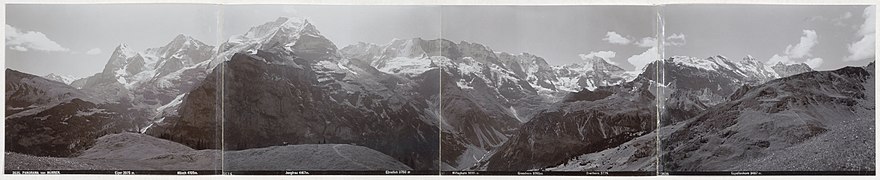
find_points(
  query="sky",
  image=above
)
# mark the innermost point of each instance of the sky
(559, 34)
(77, 40)
(343, 25)
(825, 37)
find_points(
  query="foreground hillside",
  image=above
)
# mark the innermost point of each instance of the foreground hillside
(814, 121)
(313, 157)
(124, 151)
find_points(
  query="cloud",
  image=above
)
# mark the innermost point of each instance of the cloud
(19, 40)
(675, 40)
(642, 60)
(600, 54)
(614, 38)
(18, 48)
(672, 40)
(814, 63)
(779, 59)
(801, 51)
(647, 42)
(864, 47)
(93, 51)
(802, 48)
(651, 54)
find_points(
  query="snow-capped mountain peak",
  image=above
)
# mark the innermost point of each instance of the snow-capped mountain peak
(174, 48)
(292, 34)
(598, 64)
(590, 74)
(410, 48)
(66, 79)
(269, 28)
(710, 64)
(752, 67)
(121, 56)
(721, 61)
(128, 70)
(785, 70)
(284, 29)
(122, 50)
(749, 67)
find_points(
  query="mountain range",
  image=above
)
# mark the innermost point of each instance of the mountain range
(441, 105)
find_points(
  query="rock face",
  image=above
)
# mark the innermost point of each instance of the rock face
(788, 70)
(196, 122)
(150, 79)
(584, 122)
(592, 73)
(691, 85)
(284, 84)
(790, 124)
(486, 94)
(262, 115)
(51, 118)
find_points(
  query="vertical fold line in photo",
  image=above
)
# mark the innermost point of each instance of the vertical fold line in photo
(659, 71)
(440, 94)
(222, 96)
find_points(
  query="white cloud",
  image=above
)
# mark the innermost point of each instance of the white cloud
(800, 52)
(647, 42)
(93, 51)
(814, 63)
(672, 40)
(777, 59)
(802, 48)
(642, 60)
(600, 54)
(864, 47)
(675, 40)
(614, 38)
(30, 40)
(18, 48)
(652, 53)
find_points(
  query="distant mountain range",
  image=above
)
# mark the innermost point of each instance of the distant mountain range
(284, 84)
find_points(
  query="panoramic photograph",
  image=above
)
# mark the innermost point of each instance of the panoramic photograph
(768, 88)
(584, 90)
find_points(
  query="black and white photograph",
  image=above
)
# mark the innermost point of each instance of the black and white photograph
(103, 88)
(328, 89)
(768, 89)
(548, 89)
(254, 89)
